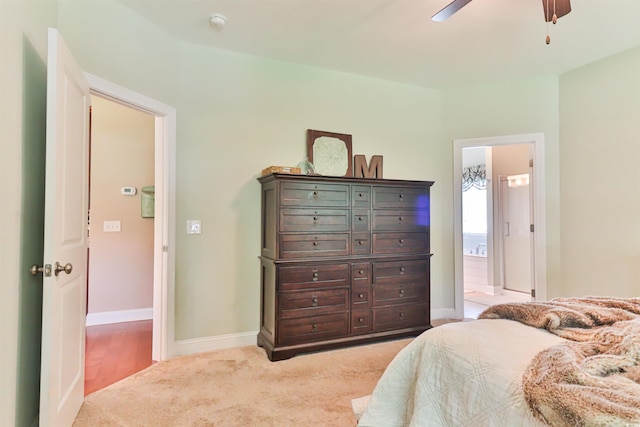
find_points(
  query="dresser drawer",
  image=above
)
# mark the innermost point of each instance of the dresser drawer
(361, 196)
(399, 293)
(361, 273)
(312, 276)
(314, 220)
(360, 221)
(313, 328)
(360, 296)
(400, 220)
(361, 244)
(314, 194)
(398, 317)
(392, 272)
(400, 243)
(313, 245)
(312, 303)
(392, 197)
(360, 321)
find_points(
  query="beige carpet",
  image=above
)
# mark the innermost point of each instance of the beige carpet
(241, 387)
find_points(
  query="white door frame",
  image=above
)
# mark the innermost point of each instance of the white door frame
(164, 224)
(539, 240)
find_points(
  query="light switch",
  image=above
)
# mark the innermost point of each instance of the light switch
(111, 226)
(193, 226)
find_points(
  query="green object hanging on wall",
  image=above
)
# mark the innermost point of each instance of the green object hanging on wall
(147, 201)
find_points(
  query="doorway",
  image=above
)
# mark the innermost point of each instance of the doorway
(121, 241)
(164, 209)
(481, 251)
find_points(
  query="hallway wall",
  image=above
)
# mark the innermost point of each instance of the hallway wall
(120, 263)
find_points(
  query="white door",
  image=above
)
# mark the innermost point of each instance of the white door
(65, 238)
(516, 235)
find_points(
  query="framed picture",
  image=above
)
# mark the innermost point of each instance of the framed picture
(330, 153)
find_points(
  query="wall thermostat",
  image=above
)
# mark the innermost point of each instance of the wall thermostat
(128, 191)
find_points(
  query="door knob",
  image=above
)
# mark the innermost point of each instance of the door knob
(67, 268)
(45, 269)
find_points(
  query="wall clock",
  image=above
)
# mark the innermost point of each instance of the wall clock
(330, 152)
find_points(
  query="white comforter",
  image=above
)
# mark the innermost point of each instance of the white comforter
(459, 374)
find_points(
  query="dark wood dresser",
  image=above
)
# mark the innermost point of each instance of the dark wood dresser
(344, 261)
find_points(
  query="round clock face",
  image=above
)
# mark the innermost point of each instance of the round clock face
(330, 156)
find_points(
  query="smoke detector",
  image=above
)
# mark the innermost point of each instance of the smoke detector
(217, 21)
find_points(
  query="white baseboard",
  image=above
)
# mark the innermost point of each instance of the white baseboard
(443, 313)
(106, 317)
(219, 342)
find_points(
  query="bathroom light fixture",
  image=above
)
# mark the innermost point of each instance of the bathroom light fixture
(518, 180)
(218, 21)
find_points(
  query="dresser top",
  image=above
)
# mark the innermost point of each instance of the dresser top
(343, 180)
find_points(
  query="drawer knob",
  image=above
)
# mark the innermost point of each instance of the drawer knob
(314, 302)
(400, 219)
(401, 269)
(360, 271)
(315, 277)
(359, 218)
(360, 295)
(401, 241)
(315, 243)
(315, 194)
(360, 195)
(360, 242)
(401, 196)
(401, 293)
(360, 319)
(315, 218)
(314, 327)
(401, 314)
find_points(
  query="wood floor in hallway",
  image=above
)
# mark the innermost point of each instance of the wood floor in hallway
(116, 351)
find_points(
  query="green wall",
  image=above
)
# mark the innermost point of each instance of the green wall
(512, 108)
(599, 163)
(23, 44)
(239, 114)
(31, 235)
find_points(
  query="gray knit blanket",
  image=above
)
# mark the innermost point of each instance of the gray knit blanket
(593, 378)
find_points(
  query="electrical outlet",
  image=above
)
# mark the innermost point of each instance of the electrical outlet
(194, 227)
(111, 226)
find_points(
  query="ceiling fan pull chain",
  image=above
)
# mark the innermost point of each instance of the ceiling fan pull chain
(548, 39)
(555, 17)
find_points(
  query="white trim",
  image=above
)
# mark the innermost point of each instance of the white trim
(219, 342)
(108, 317)
(164, 224)
(540, 258)
(443, 313)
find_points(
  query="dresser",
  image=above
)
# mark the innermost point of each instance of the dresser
(344, 261)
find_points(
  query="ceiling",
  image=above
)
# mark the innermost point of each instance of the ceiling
(488, 40)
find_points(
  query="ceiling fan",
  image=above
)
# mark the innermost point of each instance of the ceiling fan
(553, 9)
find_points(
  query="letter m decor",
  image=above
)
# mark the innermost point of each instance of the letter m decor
(373, 170)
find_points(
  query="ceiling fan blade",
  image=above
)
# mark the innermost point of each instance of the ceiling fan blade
(562, 7)
(452, 8)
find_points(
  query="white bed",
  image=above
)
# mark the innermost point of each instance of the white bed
(566, 362)
(470, 375)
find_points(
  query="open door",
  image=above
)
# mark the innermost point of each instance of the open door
(65, 238)
(517, 274)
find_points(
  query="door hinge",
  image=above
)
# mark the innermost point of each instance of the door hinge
(165, 248)
(531, 228)
(531, 163)
(533, 293)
